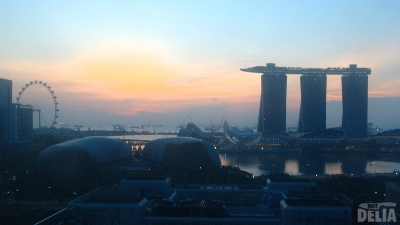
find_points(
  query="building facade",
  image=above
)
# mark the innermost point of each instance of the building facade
(313, 103)
(5, 103)
(272, 114)
(312, 118)
(355, 104)
(20, 123)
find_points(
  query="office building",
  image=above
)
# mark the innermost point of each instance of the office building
(5, 102)
(20, 123)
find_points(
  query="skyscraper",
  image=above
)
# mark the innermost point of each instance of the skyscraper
(355, 104)
(5, 103)
(313, 103)
(21, 123)
(312, 117)
(272, 113)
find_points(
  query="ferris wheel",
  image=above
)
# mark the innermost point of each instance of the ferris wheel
(37, 95)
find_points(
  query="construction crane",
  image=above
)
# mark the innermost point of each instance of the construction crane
(213, 128)
(182, 125)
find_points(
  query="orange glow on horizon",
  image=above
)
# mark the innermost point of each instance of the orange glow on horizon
(161, 86)
(128, 83)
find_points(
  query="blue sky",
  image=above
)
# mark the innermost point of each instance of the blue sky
(153, 62)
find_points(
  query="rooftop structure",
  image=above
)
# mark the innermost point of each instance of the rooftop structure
(291, 188)
(154, 201)
(270, 67)
(306, 211)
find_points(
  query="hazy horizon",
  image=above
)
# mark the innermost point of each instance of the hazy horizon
(147, 62)
(204, 117)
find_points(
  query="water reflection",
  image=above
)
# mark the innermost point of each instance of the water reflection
(382, 167)
(303, 164)
(311, 164)
(333, 168)
(292, 167)
(327, 163)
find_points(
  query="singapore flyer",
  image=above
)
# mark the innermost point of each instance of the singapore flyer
(43, 101)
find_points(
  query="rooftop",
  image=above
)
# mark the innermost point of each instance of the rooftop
(271, 68)
(313, 202)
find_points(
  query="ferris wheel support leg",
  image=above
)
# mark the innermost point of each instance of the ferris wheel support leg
(39, 121)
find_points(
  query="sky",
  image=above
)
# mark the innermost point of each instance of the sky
(155, 62)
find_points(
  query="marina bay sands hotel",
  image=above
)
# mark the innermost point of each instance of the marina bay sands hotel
(312, 118)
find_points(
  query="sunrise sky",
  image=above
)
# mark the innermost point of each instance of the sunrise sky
(153, 62)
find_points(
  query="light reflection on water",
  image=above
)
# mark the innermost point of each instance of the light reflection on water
(382, 167)
(292, 167)
(297, 164)
(333, 168)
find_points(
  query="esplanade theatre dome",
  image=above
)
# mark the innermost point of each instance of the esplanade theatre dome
(183, 152)
(80, 156)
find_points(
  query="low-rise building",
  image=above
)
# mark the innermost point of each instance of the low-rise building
(314, 211)
(154, 201)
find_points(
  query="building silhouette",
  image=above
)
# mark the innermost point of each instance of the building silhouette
(355, 104)
(312, 118)
(20, 123)
(16, 120)
(272, 115)
(313, 103)
(147, 200)
(5, 103)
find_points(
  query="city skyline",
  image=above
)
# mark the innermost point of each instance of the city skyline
(146, 62)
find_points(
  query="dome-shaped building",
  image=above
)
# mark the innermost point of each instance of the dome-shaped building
(79, 157)
(182, 153)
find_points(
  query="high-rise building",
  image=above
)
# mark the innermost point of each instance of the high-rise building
(313, 103)
(21, 123)
(5, 102)
(355, 104)
(272, 114)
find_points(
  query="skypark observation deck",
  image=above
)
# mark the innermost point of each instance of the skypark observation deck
(351, 70)
(313, 81)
